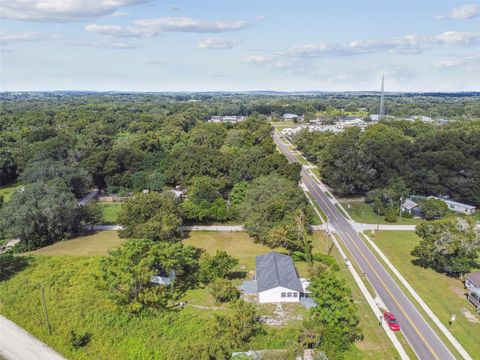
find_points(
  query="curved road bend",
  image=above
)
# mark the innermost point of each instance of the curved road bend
(423, 339)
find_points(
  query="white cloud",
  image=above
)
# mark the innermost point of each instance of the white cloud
(32, 37)
(464, 12)
(300, 56)
(153, 27)
(215, 43)
(61, 10)
(119, 14)
(459, 38)
(461, 63)
(20, 37)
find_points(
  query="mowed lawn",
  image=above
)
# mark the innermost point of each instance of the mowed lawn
(363, 213)
(99, 243)
(237, 244)
(110, 211)
(7, 191)
(443, 294)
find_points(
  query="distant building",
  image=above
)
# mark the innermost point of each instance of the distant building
(411, 207)
(425, 119)
(289, 116)
(375, 117)
(226, 119)
(349, 118)
(459, 207)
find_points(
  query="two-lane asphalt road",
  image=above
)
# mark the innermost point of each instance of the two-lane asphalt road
(422, 338)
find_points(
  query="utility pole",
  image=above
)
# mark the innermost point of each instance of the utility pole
(401, 202)
(49, 328)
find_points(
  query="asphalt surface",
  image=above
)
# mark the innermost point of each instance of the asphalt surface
(422, 338)
(17, 344)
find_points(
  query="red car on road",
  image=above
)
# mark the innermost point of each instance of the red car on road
(391, 321)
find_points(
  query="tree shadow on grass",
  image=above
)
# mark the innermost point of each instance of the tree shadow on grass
(11, 264)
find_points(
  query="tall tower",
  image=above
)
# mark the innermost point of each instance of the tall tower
(382, 100)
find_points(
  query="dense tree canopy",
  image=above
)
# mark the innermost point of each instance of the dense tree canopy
(430, 159)
(127, 273)
(41, 214)
(449, 246)
(153, 215)
(333, 325)
(268, 211)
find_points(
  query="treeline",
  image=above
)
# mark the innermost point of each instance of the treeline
(59, 149)
(400, 157)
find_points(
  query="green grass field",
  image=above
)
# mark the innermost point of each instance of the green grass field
(443, 294)
(110, 211)
(79, 305)
(99, 243)
(363, 213)
(7, 191)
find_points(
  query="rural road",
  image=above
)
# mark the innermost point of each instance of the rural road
(422, 338)
(17, 344)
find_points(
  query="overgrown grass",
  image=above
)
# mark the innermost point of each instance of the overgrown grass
(443, 294)
(74, 303)
(8, 191)
(110, 211)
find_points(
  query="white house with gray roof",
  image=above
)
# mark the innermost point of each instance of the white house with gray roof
(277, 279)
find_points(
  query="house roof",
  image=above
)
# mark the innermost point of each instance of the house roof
(474, 277)
(409, 204)
(456, 203)
(274, 269)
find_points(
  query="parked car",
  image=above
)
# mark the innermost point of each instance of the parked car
(391, 321)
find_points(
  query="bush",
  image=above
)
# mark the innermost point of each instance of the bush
(433, 208)
(217, 266)
(391, 215)
(223, 290)
(327, 260)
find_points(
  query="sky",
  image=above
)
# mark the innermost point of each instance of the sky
(159, 45)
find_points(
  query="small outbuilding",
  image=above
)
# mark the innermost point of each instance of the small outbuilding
(472, 280)
(411, 207)
(474, 297)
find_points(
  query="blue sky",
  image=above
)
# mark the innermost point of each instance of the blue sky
(142, 45)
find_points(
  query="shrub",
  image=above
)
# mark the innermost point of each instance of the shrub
(223, 290)
(391, 215)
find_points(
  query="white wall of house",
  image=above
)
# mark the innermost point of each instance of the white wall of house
(275, 295)
(470, 284)
(461, 209)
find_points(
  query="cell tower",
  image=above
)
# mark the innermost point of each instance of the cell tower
(382, 100)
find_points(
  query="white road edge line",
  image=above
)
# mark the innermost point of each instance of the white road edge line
(417, 297)
(365, 292)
